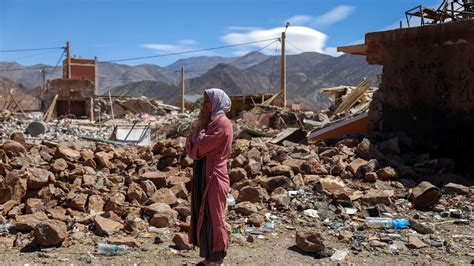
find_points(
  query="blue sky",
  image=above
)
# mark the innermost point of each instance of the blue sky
(114, 29)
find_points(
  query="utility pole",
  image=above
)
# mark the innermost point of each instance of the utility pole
(43, 88)
(283, 66)
(182, 89)
(96, 74)
(68, 59)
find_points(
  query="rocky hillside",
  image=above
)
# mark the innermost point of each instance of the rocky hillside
(306, 74)
(196, 66)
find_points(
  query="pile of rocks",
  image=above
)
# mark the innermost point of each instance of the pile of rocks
(52, 193)
(53, 190)
(341, 180)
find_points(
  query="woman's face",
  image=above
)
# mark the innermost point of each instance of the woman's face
(207, 104)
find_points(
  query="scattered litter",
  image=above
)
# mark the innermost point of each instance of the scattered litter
(339, 255)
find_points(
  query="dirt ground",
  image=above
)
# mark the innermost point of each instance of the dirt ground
(277, 248)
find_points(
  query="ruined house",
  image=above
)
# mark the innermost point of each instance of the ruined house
(76, 93)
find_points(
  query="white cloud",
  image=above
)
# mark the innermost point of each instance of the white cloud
(302, 39)
(332, 16)
(335, 15)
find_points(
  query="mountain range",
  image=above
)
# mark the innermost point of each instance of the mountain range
(249, 74)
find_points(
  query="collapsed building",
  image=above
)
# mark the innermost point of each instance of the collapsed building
(427, 85)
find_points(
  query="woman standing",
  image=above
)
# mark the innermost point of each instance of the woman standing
(209, 146)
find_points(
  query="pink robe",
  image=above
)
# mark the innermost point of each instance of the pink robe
(215, 144)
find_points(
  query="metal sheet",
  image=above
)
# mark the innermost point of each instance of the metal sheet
(136, 133)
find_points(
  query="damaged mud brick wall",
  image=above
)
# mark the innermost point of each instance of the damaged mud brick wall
(74, 96)
(428, 85)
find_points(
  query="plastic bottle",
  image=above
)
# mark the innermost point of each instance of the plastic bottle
(110, 249)
(436, 216)
(230, 199)
(380, 222)
(5, 228)
(393, 248)
(300, 192)
(400, 224)
(269, 226)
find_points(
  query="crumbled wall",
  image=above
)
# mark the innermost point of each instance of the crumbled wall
(70, 89)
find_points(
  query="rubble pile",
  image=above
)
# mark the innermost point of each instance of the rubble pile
(173, 126)
(64, 130)
(52, 194)
(50, 191)
(170, 125)
(123, 106)
(331, 186)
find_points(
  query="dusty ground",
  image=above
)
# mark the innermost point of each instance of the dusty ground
(276, 249)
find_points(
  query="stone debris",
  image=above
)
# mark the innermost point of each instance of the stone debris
(50, 233)
(57, 192)
(181, 241)
(309, 241)
(106, 226)
(416, 243)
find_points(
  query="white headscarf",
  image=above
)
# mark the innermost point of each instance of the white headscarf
(220, 102)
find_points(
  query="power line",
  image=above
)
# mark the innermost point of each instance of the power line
(295, 47)
(273, 67)
(187, 52)
(57, 64)
(243, 57)
(33, 68)
(231, 62)
(135, 58)
(33, 49)
(29, 68)
(33, 55)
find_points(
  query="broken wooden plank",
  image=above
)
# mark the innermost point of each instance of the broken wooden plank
(91, 110)
(47, 116)
(295, 135)
(17, 103)
(7, 102)
(352, 97)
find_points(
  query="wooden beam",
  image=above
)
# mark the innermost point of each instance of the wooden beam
(91, 114)
(49, 113)
(352, 97)
(182, 89)
(356, 49)
(17, 103)
(68, 60)
(283, 69)
(7, 101)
